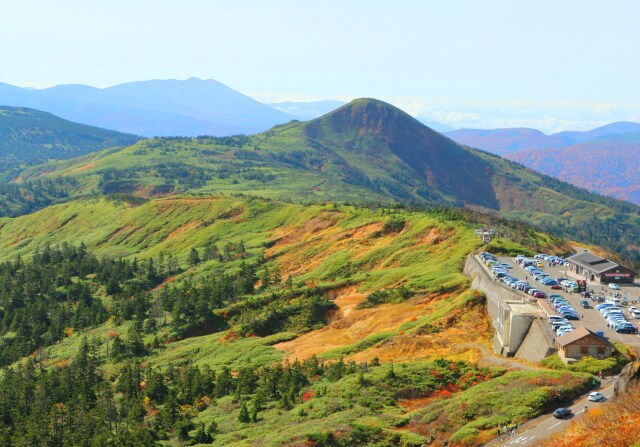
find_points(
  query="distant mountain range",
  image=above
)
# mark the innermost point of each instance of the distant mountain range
(206, 107)
(603, 160)
(608, 164)
(188, 108)
(504, 141)
(152, 108)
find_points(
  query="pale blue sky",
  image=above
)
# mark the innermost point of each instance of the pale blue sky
(545, 64)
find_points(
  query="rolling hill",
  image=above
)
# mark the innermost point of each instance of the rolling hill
(181, 314)
(152, 108)
(32, 136)
(364, 152)
(607, 165)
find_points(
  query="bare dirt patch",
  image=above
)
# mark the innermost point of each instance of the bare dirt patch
(466, 339)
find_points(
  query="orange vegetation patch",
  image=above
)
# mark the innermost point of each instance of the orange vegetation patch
(460, 338)
(189, 226)
(419, 402)
(169, 280)
(292, 246)
(172, 204)
(84, 167)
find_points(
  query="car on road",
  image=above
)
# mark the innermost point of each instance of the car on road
(614, 286)
(585, 304)
(596, 396)
(562, 413)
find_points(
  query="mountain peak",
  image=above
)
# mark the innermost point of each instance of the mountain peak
(369, 115)
(381, 135)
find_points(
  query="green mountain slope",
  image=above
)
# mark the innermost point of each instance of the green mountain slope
(170, 321)
(28, 135)
(365, 152)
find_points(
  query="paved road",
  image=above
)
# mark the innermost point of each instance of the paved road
(592, 319)
(542, 427)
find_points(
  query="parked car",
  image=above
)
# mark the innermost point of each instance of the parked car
(614, 286)
(553, 318)
(613, 301)
(596, 396)
(626, 328)
(539, 294)
(559, 323)
(562, 413)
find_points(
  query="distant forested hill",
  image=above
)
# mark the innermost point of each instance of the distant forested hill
(28, 135)
(608, 165)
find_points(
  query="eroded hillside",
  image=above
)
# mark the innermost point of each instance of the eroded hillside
(238, 321)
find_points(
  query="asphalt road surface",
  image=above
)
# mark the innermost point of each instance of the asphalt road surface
(540, 428)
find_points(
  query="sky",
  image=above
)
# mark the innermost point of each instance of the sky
(551, 65)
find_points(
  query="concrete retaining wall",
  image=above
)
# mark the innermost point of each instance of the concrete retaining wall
(536, 342)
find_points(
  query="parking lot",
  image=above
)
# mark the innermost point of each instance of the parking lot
(590, 318)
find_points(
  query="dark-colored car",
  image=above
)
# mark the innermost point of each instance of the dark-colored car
(562, 413)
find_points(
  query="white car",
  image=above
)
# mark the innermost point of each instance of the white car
(614, 286)
(596, 397)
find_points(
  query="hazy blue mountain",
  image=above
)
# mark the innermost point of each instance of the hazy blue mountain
(618, 128)
(504, 141)
(152, 108)
(307, 110)
(511, 140)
